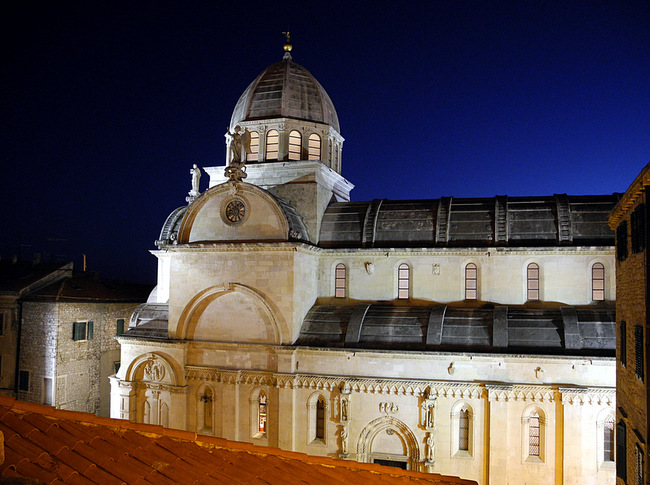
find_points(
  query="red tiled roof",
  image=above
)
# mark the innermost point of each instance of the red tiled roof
(57, 447)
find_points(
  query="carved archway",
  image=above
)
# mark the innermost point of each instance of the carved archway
(247, 316)
(367, 450)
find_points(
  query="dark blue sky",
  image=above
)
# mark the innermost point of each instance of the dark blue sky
(107, 104)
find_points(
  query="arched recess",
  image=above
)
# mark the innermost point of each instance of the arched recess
(156, 379)
(369, 446)
(229, 313)
(155, 367)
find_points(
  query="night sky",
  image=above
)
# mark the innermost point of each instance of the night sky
(107, 104)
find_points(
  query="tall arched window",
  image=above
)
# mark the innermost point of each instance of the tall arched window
(254, 147)
(608, 439)
(598, 282)
(272, 144)
(463, 430)
(471, 282)
(533, 431)
(320, 418)
(330, 160)
(314, 147)
(532, 278)
(340, 281)
(261, 413)
(295, 145)
(403, 281)
(534, 434)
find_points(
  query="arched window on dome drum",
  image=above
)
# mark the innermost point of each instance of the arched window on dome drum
(272, 144)
(295, 145)
(598, 282)
(340, 280)
(254, 146)
(403, 281)
(314, 147)
(532, 278)
(329, 154)
(471, 282)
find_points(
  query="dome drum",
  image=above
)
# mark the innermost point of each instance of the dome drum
(283, 139)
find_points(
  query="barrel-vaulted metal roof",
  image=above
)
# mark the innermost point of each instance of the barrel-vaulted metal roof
(564, 330)
(508, 221)
(285, 90)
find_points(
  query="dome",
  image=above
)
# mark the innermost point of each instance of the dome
(285, 90)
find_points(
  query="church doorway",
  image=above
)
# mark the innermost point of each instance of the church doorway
(390, 442)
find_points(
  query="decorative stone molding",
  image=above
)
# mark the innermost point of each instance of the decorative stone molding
(593, 396)
(388, 408)
(520, 393)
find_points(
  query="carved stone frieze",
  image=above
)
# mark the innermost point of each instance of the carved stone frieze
(593, 396)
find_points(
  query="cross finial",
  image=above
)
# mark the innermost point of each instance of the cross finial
(287, 45)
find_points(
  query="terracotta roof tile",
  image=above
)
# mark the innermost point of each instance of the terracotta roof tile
(57, 446)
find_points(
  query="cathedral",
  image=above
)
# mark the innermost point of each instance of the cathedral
(465, 336)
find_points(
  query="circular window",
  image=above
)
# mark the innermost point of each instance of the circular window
(234, 211)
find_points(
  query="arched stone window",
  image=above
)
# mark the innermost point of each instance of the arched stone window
(259, 414)
(340, 277)
(314, 147)
(608, 439)
(254, 146)
(598, 282)
(205, 411)
(262, 415)
(403, 281)
(532, 282)
(295, 145)
(316, 414)
(533, 434)
(272, 144)
(462, 421)
(330, 160)
(471, 282)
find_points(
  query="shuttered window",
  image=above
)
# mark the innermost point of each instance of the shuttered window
(638, 351)
(83, 330)
(623, 343)
(621, 455)
(621, 241)
(638, 229)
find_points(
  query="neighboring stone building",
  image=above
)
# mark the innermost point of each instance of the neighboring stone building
(470, 337)
(67, 340)
(18, 279)
(629, 220)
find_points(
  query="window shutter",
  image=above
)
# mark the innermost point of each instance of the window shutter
(623, 344)
(77, 330)
(638, 351)
(120, 326)
(91, 330)
(621, 457)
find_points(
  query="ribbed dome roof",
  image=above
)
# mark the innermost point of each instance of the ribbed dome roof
(285, 90)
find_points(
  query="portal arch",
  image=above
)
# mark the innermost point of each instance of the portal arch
(372, 445)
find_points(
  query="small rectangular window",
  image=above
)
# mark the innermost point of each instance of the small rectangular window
(621, 241)
(120, 326)
(623, 344)
(638, 351)
(23, 380)
(116, 367)
(83, 330)
(637, 221)
(47, 391)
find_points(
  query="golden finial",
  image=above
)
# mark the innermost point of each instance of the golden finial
(287, 44)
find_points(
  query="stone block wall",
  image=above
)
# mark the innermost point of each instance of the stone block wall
(77, 371)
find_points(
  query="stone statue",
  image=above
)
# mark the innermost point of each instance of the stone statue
(195, 172)
(344, 409)
(237, 141)
(430, 447)
(344, 441)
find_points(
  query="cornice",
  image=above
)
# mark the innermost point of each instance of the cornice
(487, 251)
(581, 396)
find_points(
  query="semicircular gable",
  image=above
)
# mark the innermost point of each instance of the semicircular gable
(227, 212)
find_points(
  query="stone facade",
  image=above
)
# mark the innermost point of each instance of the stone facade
(629, 220)
(471, 337)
